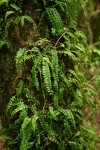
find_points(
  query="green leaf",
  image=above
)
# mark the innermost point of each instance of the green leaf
(20, 107)
(47, 60)
(26, 121)
(15, 7)
(10, 104)
(19, 89)
(22, 21)
(2, 43)
(69, 115)
(55, 68)
(70, 54)
(17, 20)
(47, 77)
(52, 113)
(34, 119)
(3, 1)
(29, 19)
(8, 13)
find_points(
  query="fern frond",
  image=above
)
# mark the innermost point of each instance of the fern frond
(78, 101)
(64, 79)
(67, 128)
(8, 13)
(22, 19)
(67, 52)
(10, 104)
(19, 88)
(80, 47)
(25, 123)
(83, 5)
(35, 71)
(74, 74)
(62, 145)
(3, 2)
(20, 60)
(20, 107)
(15, 7)
(55, 100)
(25, 144)
(34, 121)
(69, 115)
(44, 124)
(35, 78)
(52, 112)
(23, 114)
(25, 134)
(55, 68)
(47, 77)
(75, 145)
(52, 136)
(55, 19)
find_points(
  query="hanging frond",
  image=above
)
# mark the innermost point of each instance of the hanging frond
(47, 77)
(52, 112)
(69, 115)
(44, 124)
(11, 103)
(55, 19)
(20, 107)
(34, 122)
(55, 68)
(20, 60)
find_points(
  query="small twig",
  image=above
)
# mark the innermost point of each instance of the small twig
(60, 38)
(95, 12)
(94, 44)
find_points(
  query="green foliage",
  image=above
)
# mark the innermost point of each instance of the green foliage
(3, 2)
(55, 20)
(45, 114)
(46, 110)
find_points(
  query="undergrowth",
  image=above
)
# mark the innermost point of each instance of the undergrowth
(46, 110)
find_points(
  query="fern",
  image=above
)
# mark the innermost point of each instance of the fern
(34, 72)
(55, 100)
(20, 107)
(44, 123)
(8, 13)
(55, 20)
(34, 122)
(55, 68)
(47, 77)
(25, 138)
(78, 99)
(22, 19)
(52, 113)
(52, 89)
(10, 104)
(15, 7)
(19, 89)
(20, 60)
(69, 53)
(84, 8)
(26, 122)
(35, 78)
(69, 115)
